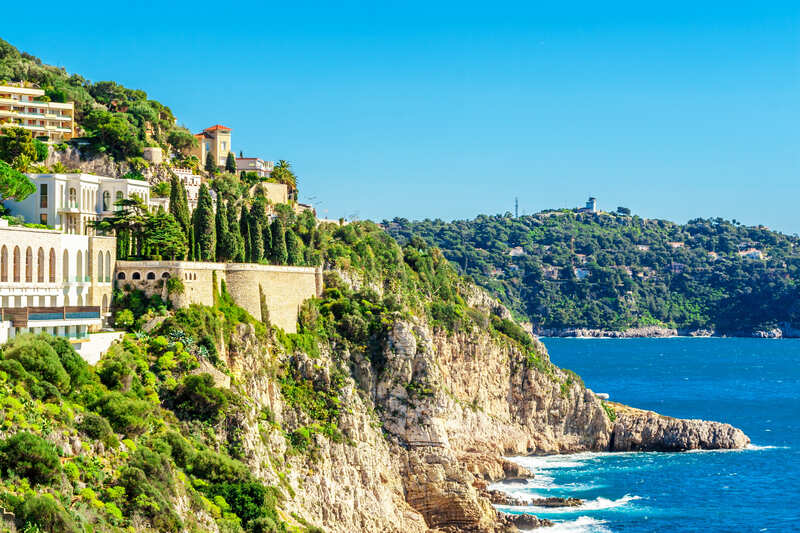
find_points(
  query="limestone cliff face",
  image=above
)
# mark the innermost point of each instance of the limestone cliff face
(426, 424)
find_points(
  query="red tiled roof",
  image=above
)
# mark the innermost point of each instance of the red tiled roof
(217, 127)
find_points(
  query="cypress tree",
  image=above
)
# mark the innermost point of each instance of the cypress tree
(225, 250)
(294, 249)
(266, 232)
(205, 232)
(244, 230)
(211, 165)
(178, 205)
(230, 163)
(280, 255)
(256, 240)
(235, 233)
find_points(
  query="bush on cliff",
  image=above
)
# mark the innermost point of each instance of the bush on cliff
(29, 456)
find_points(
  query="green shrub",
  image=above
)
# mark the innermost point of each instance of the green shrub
(126, 415)
(40, 360)
(30, 456)
(124, 319)
(198, 398)
(218, 468)
(46, 513)
(77, 368)
(97, 427)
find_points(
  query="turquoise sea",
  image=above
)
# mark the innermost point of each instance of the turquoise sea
(753, 384)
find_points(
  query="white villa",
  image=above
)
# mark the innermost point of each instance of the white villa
(69, 202)
(59, 281)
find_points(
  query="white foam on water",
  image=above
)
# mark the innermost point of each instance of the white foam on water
(756, 447)
(598, 504)
(582, 524)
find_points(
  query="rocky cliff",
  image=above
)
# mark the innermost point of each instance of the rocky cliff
(425, 425)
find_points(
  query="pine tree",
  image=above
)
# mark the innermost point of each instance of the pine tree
(294, 248)
(230, 163)
(164, 237)
(244, 230)
(280, 255)
(205, 232)
(211, 165)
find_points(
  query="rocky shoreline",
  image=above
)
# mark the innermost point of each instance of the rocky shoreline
(783, 332)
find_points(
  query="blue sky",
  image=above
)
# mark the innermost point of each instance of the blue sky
(447, 110)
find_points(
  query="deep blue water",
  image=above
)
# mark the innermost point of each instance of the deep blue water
(753, 384)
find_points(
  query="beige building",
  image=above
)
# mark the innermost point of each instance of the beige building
(215, 140)
(253, 164)
(284, 288)
(53, 282)
(22, 107)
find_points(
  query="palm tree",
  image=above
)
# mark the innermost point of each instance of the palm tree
(283, 174)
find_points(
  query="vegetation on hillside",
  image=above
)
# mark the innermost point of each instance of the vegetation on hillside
(116, 120)
(566, 269)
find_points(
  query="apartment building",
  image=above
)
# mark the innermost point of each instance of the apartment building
(71, 202)
(191, 182)
(215, 140)
(52, 282)
(253, 164)
(22, 107)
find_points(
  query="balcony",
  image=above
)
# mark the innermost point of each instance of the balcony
(22, 317)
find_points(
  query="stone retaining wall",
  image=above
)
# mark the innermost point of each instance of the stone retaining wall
(284, 288)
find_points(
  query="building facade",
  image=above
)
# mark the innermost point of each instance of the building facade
(21, 107)
(191, 182)
(253, 164)
(53, 282)
(71, 202)
(215, 140)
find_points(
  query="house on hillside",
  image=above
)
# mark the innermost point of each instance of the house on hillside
(216, 141)
(751, 253)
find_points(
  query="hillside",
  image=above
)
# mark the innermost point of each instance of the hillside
(563, 270)
(389, 410)
(114, 120)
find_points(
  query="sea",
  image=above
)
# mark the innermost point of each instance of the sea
(753, 384)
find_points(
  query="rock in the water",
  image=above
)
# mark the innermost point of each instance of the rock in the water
(526, 521)
(637, 430)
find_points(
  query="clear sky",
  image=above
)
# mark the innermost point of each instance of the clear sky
(447, 110)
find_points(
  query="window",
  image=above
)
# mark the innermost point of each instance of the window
(43, 196)
(151, 275)
(52, 265)
(121, 275)
(29, 265)
(73, 197)
(118, 197)
(40, 265)
(43, 218)
(136, 275)
(106, 201)
(4, 263)
(16, 263)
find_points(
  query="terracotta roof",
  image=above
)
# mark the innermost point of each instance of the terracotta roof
(217, 127)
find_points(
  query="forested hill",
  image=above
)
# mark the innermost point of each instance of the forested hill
(112, 119)
(570, 269)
